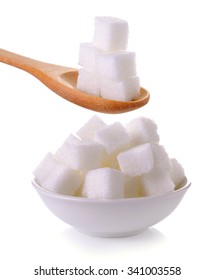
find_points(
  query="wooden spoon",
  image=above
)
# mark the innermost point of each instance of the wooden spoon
(62, 80)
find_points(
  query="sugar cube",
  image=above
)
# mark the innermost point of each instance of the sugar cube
(87, 56)
(113, 137)
(110, 33)
(142, 130)
(132, 187)
(55, 176)
(123, 90)
(103, 183)
(88, 81)
(116, 65)
(137, 160)
(110, 160)
(177, 173)
(83, 156)
(157, 182)
(72, 139)
(44, 167)
(161, 158)
(88, 130)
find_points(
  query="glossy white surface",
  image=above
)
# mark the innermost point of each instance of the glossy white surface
(111, 217)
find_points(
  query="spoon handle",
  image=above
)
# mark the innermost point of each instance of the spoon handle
(19, 61)
(32, 66)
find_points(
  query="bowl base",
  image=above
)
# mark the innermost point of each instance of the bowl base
(112, 234)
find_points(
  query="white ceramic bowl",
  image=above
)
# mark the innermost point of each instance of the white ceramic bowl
(111, 218)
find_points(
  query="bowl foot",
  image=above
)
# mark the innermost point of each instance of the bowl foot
(112, 234)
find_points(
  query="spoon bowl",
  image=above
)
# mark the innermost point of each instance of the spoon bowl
(62, 80)
(111, 217)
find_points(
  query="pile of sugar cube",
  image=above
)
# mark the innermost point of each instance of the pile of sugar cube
(108, 68)
(111, 161)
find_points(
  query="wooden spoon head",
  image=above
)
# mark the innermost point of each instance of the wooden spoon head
(62, 80)
(99, 104)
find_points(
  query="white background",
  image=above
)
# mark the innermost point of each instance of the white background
(174, 44)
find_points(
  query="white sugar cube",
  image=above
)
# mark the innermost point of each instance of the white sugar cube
(137, 160)
(161, 158)
(124, 90)
(157, 182)
(113, 137)
(72, 139)
(88, 130)
(57, 177)
(65, 152)
(177, 174)
(87, 56)
(110, 160)
(83, 156)
(117, 65)
(44, 167)
(88, 81)
(132, 187)
(142, 130)
(103, 183)
(110, 33)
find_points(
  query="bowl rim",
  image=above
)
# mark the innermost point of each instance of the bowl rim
(184, 186)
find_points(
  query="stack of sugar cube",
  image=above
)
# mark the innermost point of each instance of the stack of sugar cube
(108, 69)
(111, 161)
